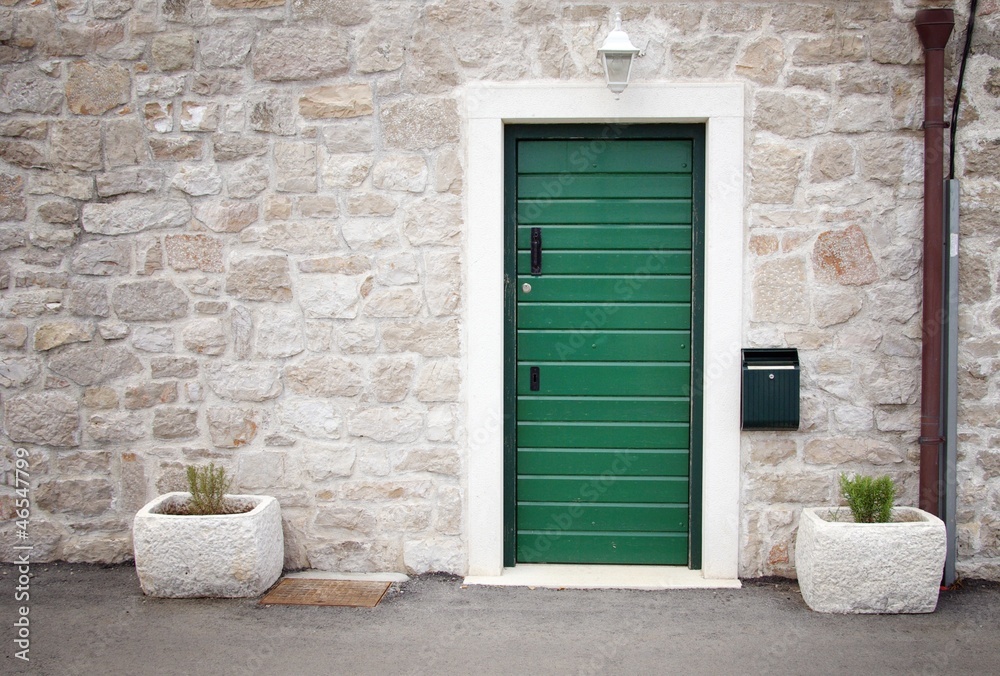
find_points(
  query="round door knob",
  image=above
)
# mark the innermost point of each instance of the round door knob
(526, 287)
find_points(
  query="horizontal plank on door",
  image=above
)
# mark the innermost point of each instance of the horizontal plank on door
(568, 516)
(601, 489)
(600, 379)
(603, 156)
(609, 236)
(597, 462)
(603, 409)
(605, 288)
(563, 345)
(660, 549)
(606, 262)
(612, 211)
(602, 435)
(617, 186)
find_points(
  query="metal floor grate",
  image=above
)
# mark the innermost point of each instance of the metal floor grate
(315, 592)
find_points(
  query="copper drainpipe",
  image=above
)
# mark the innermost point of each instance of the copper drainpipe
(934, 27)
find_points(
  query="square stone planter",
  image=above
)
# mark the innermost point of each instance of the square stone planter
(847, 567)
(224, 555)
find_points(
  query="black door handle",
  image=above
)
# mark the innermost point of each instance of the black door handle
(536, 379)
(536, 251)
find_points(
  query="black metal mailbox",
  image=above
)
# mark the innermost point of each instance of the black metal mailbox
(770, 389)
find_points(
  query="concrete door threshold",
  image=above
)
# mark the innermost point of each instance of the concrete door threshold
(330, 575)
(564, 576)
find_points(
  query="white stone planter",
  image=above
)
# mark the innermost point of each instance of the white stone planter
(847, 567)
(225, 555)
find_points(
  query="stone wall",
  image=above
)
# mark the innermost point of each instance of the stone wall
(232, 230)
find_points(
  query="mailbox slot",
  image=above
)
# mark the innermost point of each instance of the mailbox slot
(770, 389)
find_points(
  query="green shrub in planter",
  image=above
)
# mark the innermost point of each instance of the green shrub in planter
(869, 499)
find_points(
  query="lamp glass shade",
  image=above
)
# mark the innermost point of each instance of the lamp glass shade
(617, 66)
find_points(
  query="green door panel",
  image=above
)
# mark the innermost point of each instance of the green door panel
(603, 379)
(542, 345)
(605, 236)
(659, 549)
(612, 211)
(571, 516)
(603, 409)
(588, 318)
(603, 446)
(605, 289)
(603, 435)
(635, 263)
(586, 156)
(612, 186)
(603, 462)
(547, 488)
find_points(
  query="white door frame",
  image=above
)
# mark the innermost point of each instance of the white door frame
(488, 106)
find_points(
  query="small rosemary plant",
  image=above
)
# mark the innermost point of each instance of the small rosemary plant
(870, 499)
(208, 486)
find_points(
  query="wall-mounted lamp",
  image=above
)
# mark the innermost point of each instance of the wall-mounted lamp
(617, 53)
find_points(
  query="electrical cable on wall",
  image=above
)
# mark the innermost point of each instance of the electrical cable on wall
(961, 79)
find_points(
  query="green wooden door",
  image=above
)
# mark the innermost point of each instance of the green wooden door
(603, 355)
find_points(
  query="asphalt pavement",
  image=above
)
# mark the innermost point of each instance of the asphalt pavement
(86, 619)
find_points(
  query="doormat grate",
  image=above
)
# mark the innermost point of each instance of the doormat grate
(314, 592)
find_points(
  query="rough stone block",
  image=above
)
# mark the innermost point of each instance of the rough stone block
(232, 427)
(53, 334)
(194, 252)
(417, 124)
(79, 497)
(93, 89)
(300, 53)
(323, 376)
(844, 257)
(244, 382)
(313, 418)
(262, 278)
(336, 101)
(94, 365)
(134, 214)
(153, 300)
(46, 418)
(175, 423)
(279, 333)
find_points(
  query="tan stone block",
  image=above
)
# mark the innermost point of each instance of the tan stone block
(100, 398)
(232, 427)
(349, 136)
(792, 487)
(377, 491)
(247, 4)
(277, 207)
(325, 377)
(832, 309)
(359, 520)
(59, 212)
(762, 61)
(779, 292)
(829, 50)
(230, 147)
(370, 204)
(176, 149)
(387, 424)
(13, 335)
(336, 101)
(443, 287)
(150, 395)
(227, 215)
(417, 124)
(319, 206)
(279, 333)
(82, 497)
(707, 57)
(861, 114)
(345, 171)
(174, 51)
(775, 170)
(159, 116)
(93, 89)
(791, 115)
(431, 338)
(434, 221)
(298, 236)
(295, 165)
(46, 418)
(763, 245)
(205, 336)
(844, 257)
(175, 423)
(382, 48)
(394, 302)
(340, 265)
(76, 144)
(329, 296)
(767, 450)
(391, 378)
(54, 334)
(197, 116)
(832, 161)
(312, 418)
(982, 158)
(840, 450)
(300, 53)
(261, 278)
(439, 380)
(12, 205)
